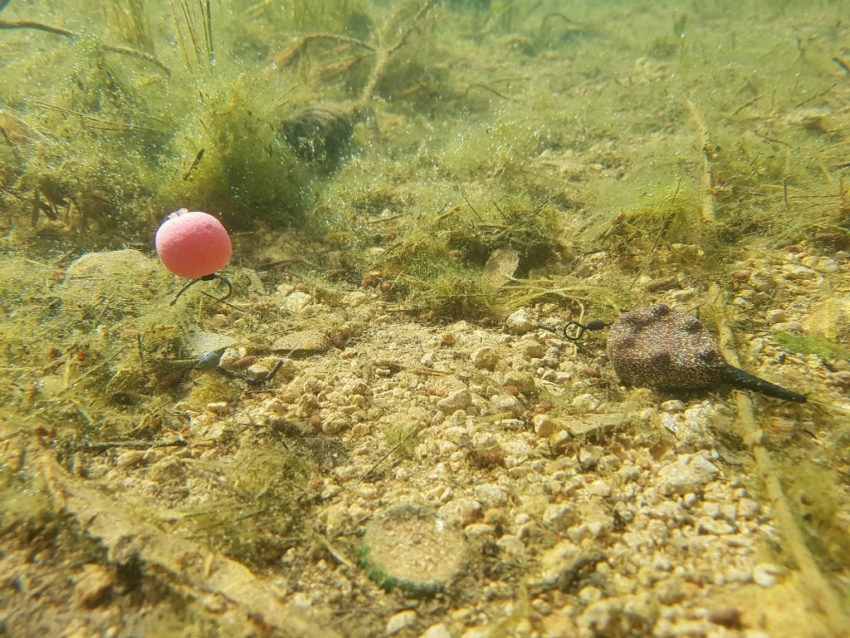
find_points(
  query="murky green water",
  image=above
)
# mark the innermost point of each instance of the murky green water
(457, 160)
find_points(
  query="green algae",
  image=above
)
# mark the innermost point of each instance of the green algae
(499, 126)
(811, 344)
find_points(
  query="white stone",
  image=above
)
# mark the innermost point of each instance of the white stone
(686, 475)
(491, 495)
(718, 527)
(399, 621)
(589, 594)
(506, 403)
(485, 357)
(519, 322)
(796, 271)
(764, 574)
(296, 301)
(748, 508)
(461, 511)
(599, 488)
(777, 315)
(457, 400)
(544, 425)
(436, 631)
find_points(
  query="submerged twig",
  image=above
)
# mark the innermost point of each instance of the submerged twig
(192, 568)
(383, 55)
(812, 581)
(136, 445)
(322, 133)
(40, 26)
(198, 156)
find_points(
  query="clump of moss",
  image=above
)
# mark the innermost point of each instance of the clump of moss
(256, 517)
(670, 214)
(811, 344)
(210, 388)
(236, 162)
(439, 264)
(96, 157)
(429, 276)
(401, 438)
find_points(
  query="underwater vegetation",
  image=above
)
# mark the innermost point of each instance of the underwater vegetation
(393, 181)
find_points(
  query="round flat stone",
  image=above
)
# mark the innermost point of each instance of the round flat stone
(413, 548)
(302, 342)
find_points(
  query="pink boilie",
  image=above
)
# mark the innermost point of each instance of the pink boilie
(193, 244)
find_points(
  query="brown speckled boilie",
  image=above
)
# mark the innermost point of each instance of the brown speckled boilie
(662, 348)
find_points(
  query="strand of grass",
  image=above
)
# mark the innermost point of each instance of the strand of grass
(208, 31)
(190, 27)
(812, 581)
(72, 383)
(47, 28)
(254, 8)
(180, 37)
(141, 25)
(284, 57)
(99, 446)
(96, 123)
(708, 155)
(484, 87)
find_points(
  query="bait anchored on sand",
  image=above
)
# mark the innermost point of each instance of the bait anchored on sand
(663, 348)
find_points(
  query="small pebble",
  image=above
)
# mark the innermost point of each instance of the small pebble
(764, 574)
(520, 380)
(718, 527)
(506, 403)
(544, 425)
(491, 495)
(589, 455)
(519, 322)
(484, 358)
(726, 616)
(457, 400)
(436, 631)
(399, 621)
(798, 272)
(761, 280)
(131, 458)
(297, 301)
(685, 475)
(777, 315)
